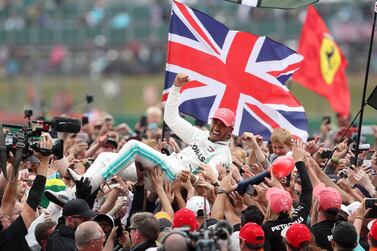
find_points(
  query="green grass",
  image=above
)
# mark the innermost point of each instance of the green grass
(129, 100)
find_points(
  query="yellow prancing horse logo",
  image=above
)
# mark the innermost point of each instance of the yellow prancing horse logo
(330, 59)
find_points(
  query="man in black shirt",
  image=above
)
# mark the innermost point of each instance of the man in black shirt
(328, 201)
(280, 204)
(344, 236)
(12, 235)
(75, 212)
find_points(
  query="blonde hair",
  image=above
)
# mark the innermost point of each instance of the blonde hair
(153, 110)
(239, 154)
(282, 136)
(272, 216)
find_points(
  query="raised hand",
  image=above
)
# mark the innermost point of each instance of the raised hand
(181, 79)
(44, 143)
(250, 139)
(298, 151)
(341, 150)
(312, 146)
(157, 179)
(208, 173)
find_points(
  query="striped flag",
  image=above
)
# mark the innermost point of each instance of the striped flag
(277, 4)
(236, 70)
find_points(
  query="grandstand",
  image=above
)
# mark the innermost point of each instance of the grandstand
(137, 30)
(48, 46)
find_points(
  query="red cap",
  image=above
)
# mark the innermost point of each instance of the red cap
(252, 234)
(185, 217)
(372, 226)
(296, 234)
(226, 116)
(328, 197)
(279, 200)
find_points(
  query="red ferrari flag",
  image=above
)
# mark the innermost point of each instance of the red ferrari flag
(324, 65)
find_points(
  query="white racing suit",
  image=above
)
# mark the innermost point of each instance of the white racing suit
(199, 150)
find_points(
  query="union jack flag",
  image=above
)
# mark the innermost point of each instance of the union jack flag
(237, 70)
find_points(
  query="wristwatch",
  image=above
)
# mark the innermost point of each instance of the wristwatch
(335, 160)
(215, 184)
(220, 190)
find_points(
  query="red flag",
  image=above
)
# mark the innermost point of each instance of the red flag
(324, 65)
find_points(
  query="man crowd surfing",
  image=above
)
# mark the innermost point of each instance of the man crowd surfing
(118, 188)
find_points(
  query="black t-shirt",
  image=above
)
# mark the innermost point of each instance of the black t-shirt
(14, 237)
(272, 229)
(63, 239)
(322, 233)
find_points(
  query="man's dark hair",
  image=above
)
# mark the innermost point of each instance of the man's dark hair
(252, 214)
(146, 224)
(332, 215)
(41, 230)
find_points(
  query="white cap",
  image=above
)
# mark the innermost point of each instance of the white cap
(196, 203)
(351, 208)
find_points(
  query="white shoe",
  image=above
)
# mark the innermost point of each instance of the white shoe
(59, 198)
(75, 177)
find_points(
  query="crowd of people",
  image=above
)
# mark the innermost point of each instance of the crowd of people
(118, 188)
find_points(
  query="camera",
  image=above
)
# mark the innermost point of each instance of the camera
(28, 138)
(326, 154)
(362, 147)
(31, 142)
(24, 140)
(343, 174)
(214, 238)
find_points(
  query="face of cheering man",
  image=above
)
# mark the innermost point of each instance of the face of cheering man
(219, 131)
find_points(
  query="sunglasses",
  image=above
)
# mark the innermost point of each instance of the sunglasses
(81, 218)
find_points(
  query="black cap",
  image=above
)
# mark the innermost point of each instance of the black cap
(104, 217)
(164, 224)
(344, 234)
(78, 207)
(112, 142)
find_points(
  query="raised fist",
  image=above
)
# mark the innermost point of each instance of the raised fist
(181, 79)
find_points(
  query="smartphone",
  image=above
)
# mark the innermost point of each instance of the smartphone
(352, 161)
(119, 231)
(143, 121)
(326, 154)
(251, 191)
(288, 180)
(370, 203)
(83, 137)
(367, 163)
(84, 120)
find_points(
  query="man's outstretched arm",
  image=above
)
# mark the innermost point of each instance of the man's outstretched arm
(183, 129)
(28, 211)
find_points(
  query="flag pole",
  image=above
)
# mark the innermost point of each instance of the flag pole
(365, 85)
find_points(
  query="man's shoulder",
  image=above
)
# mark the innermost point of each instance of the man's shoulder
(320, 226)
